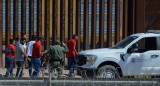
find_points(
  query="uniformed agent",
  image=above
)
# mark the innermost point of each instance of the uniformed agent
(55, 58)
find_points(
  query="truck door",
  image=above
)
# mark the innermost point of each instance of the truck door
(154, 56)
(144, 60)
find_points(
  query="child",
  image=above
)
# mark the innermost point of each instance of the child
(43, 65)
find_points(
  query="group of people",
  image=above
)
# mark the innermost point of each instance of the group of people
(20, 52)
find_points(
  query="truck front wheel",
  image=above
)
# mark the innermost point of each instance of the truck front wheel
(107, 71)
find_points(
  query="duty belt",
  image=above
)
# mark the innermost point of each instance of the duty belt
(54, 60)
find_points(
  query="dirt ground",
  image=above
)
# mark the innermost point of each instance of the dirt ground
(43, 73)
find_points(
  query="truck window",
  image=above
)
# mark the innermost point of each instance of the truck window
(158, 43)
(125, 42)
(147, 44)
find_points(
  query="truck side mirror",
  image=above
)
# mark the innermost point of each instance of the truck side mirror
(133, 48)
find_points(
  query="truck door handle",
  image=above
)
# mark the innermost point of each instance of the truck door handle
(154, 56)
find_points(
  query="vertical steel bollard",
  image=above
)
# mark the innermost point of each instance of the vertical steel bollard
(50, 78)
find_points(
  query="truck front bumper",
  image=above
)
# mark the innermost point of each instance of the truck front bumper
(86, 72)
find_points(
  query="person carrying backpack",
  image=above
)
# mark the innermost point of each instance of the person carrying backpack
(9, 59)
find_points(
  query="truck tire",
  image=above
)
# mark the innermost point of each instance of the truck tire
(107, 71)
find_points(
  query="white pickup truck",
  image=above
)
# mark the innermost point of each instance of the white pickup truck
(137, 54)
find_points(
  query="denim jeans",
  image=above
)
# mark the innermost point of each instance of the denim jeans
(9, 62)
(19, 68)
(73, 64)
(30, 67)
(37, 65)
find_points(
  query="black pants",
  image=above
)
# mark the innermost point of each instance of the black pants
(19, 68)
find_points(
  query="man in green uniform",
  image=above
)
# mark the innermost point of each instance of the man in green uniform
(55, 58)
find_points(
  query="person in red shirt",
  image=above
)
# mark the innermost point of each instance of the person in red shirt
(36, 55)
(10, 50)
(72, 54)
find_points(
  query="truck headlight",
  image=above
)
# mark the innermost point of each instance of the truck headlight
(91, 60)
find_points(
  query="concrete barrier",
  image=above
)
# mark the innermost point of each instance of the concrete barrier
(78, 82)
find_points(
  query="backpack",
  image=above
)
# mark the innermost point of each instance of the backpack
(8, 50)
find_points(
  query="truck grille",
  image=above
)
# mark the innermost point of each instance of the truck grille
(81, 60)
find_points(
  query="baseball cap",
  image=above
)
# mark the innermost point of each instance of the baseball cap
(57, 42)
(42, 37)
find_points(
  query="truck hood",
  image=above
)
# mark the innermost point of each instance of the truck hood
(102, 51)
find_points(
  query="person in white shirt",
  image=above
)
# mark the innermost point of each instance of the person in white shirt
(29, 52)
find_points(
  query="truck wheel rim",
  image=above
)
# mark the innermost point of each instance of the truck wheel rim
(108, 74)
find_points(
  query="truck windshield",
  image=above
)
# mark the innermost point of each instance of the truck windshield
(125, 42)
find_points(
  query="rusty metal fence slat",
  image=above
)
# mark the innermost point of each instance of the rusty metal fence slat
(109, 23)
(78, 22)
(101, 24)
(62, 20)
(117, 21)
(93, 24)
(31, 18)
(1, 32)
(125, 19)
(54, 20)
(23, 17)
(8, 21)
(85, 25)
(15, 19)
(47, 23)
(39, 18)
(70, 19)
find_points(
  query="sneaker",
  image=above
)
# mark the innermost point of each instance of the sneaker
(69, 75)
(46, 74)
(12, 75)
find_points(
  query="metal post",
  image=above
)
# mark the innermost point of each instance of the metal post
(15, 19)
(31, 18)
(93, 24)
(78, 22)
(8, 21)
(23, 17)
(131, 17)
(50, 79)
(85, 25)
(39, 18)
(62, 20)
(125, 18)
(101, 24)
(140, 16)
(54, 21)
(109, 23)
(70, 19)
(47, 23)
(117, 21)
(1, 32)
